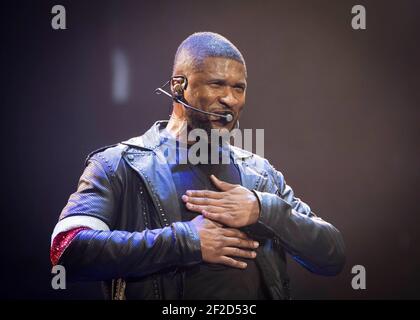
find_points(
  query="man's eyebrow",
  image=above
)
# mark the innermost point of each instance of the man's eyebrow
(217, 80)
(241, 84)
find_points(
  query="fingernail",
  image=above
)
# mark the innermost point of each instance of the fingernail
(256, 244)
(254, 254)
(184, 197)
(243, 265)
(188, 192)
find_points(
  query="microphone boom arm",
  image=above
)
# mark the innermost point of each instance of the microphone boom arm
(228, 117)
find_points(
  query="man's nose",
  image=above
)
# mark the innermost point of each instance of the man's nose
(228, 98)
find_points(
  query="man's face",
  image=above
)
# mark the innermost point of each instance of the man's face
(219, 86)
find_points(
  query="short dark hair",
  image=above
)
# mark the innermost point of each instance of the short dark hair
(201, 45)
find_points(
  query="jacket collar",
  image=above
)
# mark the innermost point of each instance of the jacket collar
(152, 167)
(151, 140)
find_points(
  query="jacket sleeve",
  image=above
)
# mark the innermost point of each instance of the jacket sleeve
(314, 243)
(102, 253)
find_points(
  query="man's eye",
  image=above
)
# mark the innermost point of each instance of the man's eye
(239, 89)
(215, 85)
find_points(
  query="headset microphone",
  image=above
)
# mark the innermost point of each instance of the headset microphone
(178, 91)
(178, 96)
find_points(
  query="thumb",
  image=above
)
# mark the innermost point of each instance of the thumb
(222, 185)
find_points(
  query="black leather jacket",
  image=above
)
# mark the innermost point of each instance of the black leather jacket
(127, 197)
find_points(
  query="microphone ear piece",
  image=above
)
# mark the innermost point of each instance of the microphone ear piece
(178, 91)
(179, 84)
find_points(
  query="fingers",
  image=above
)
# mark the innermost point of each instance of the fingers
(241, 243)
(205, 194)
(202, 208)
(222, 185)
(200, 200)
(220, 216)
(236, 252)
(232, 262)
(235, 233)
(219, 245)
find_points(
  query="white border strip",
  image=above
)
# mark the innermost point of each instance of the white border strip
(73, 222)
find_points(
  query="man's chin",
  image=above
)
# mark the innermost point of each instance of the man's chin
(219, 125)
(203, 125)
(209, 125)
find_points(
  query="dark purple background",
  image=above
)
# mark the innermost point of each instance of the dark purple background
(340, 109)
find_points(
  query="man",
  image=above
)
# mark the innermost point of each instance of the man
(157, 229)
